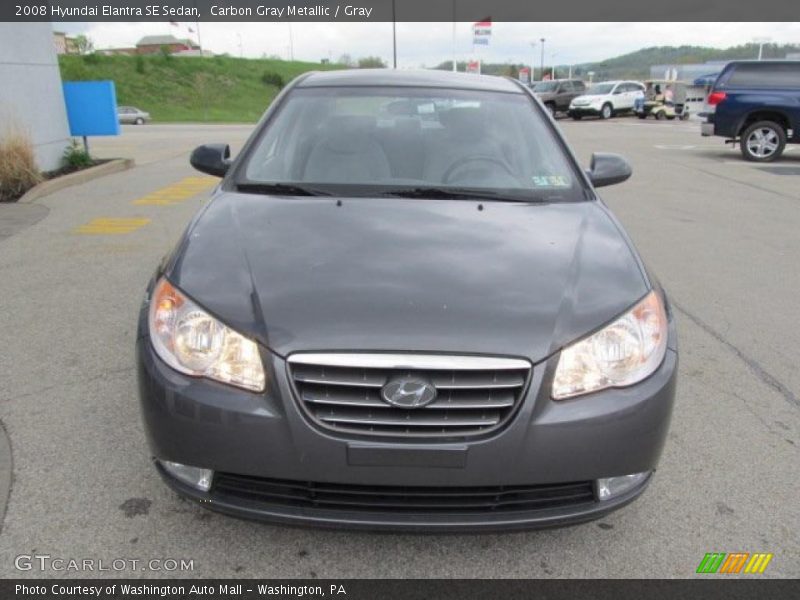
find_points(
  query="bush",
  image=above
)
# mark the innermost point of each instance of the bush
(272, 78)
(371, 62)
(140, 68)
(76, 157)
(18, 172)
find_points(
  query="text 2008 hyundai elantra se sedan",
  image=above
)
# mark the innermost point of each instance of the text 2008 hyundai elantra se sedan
(405, 307)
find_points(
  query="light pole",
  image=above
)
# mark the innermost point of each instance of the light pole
(761, 41)
(553, 67)
(533, 62)
(542, 40)
(394, 34)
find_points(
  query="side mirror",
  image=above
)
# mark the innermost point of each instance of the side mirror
(608, 169)
(214, 159)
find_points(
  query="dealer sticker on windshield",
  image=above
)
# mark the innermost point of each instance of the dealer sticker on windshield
(552, 181)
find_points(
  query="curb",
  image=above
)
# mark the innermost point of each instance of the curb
(59, 183)
(6, 472)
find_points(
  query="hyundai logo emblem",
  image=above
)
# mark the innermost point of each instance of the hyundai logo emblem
(409, 392)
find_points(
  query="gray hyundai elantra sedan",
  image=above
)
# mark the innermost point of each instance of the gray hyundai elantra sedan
(406, 307)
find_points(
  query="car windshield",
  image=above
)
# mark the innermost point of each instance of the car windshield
(416, 142)
(546, 86)
(601, 89)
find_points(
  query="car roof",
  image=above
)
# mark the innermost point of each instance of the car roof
(411, 78)
(763, 62)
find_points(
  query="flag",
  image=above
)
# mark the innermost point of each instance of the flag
(482, 31)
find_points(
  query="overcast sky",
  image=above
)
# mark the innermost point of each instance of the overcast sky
(427, 44)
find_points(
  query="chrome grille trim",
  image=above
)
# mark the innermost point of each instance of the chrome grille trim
(446, 362)
(342, 392)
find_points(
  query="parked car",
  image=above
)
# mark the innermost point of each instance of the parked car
(132, 115)
(756, 103)
(557, 94)
(607, 99)
(391, 320)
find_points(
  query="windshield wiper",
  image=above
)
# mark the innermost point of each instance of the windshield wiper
(436, 193)
(281, 189)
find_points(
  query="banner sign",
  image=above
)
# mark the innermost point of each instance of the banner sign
(482, 31)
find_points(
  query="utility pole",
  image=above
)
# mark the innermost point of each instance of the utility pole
(542, 40)
(197, 24)
(291, 42)
(533, 62)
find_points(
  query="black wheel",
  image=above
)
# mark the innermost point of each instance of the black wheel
(576, 117)
(642, 115)
(140, 121)
(660, 116)
(606, 112)
(551, 108)
(763, 141)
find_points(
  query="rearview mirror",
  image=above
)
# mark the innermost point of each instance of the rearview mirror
(213, 159)
(608, 169)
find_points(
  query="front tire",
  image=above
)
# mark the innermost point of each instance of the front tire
(551, 109)
(576, 117)
(660, 115)
(606, 112)
(763, 141)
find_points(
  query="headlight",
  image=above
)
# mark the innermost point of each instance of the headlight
(193, 342)
(622, 353)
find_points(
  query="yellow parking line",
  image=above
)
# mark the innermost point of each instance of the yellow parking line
(109, 226)
(177, 192)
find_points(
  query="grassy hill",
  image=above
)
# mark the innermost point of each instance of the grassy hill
(220, 88)
(227, 89)
(636, 65)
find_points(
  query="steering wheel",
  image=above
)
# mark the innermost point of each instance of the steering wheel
(459, 163)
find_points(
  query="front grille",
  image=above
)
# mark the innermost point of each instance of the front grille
(342, 392)
(333, 496)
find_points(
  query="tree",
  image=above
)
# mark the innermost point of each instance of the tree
(83, 44)
(346, 60)
(371, 62)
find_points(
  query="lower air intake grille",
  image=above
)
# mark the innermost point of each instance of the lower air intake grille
(343, 392)
(333, 496)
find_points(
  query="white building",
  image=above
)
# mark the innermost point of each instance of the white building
(31, 97)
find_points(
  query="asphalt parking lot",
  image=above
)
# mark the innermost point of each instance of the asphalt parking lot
(720, 233)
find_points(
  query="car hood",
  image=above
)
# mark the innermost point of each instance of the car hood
(588, 99)
(396, 274)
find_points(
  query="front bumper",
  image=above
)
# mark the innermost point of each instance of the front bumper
(210, 425)
(583, 110)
